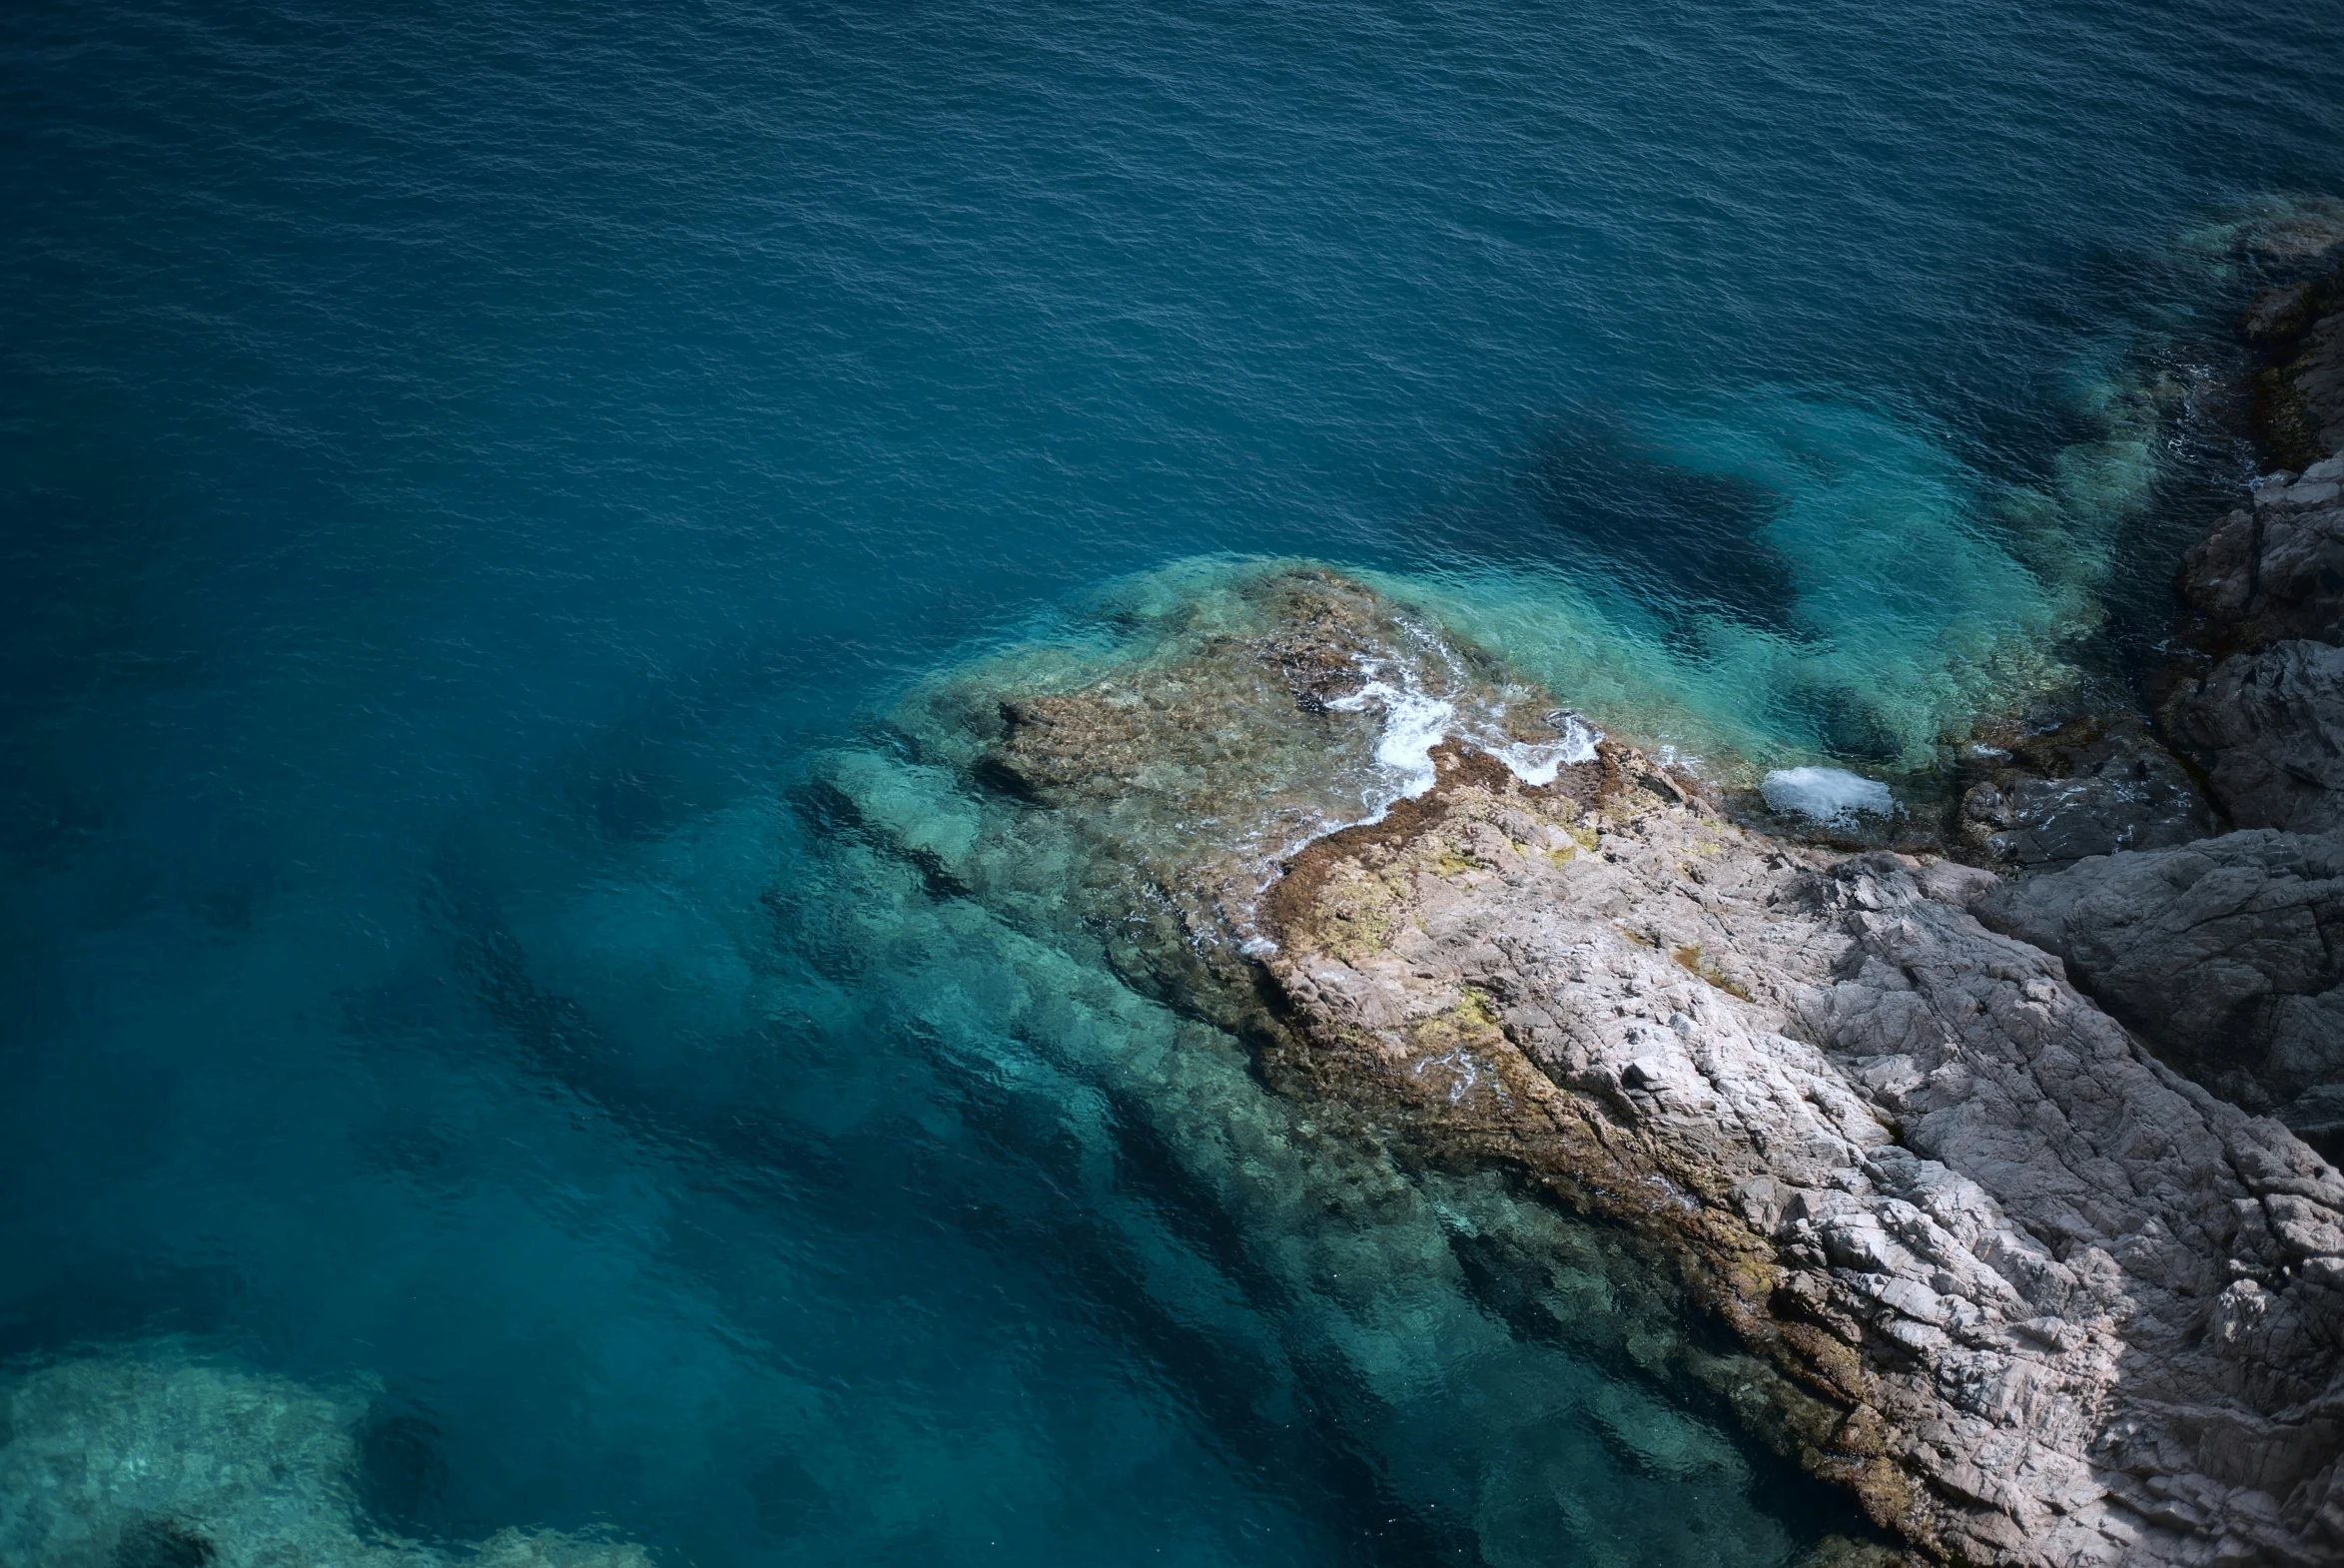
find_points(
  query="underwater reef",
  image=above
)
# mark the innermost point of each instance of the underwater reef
(149, 1458)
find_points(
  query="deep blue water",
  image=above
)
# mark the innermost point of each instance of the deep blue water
(461, 463)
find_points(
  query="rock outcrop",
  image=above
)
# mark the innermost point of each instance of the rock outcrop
(2089, 788)
(2271, 724)
(2067, 1306)
(2014, 1275)
(2226, 956)
(2267, 585)
(2299, 393)
(1499, 1361)
(2275, 568)
(2035, 1297)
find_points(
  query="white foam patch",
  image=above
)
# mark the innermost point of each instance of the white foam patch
(1537, 763)
(1828, 795)
(1414, 721)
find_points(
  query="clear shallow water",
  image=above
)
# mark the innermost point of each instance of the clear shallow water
(462, 467)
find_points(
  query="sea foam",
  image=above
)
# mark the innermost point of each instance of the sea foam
(1828, 795)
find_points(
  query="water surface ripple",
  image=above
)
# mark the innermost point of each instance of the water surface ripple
(468, 467)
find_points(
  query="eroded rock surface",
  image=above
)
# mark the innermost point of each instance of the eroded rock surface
(2035, 1297)
(1492, 1355)
(2267, 583)
(2271, 724)
(2069, 1307)
(2227, 955)
(2299, 395)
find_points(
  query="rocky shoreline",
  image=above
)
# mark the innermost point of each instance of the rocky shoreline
(2031, 1294)
(1990, 1172)
(2217, 949)
(2051, 1302)
(2063, 1305)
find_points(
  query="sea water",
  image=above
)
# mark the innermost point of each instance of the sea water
(472, 472)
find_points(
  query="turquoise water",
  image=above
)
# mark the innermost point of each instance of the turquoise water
(468, 469)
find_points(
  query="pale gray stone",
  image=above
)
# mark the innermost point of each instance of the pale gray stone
(2097, 1309)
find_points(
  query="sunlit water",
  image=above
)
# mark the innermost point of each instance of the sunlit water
(467, 471)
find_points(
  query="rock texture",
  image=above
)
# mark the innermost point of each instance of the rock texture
(1444, 1321)
(2300, 394)
(2227, 955)
(2271, 724)
(2030, 1294)
(2275, 568)
(2089, 788)
(2267, 583)
(2064, 1306)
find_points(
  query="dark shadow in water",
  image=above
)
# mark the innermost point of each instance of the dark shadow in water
(164, 1543)
(1593, 494)
(786, 1497)
(654, 765)
(401, 1473)
(78, 630)
(1845, 724)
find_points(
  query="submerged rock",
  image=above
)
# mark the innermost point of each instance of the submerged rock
(1535, 1387)
(151, 1460)
(2227, 955)
(1159, 790)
